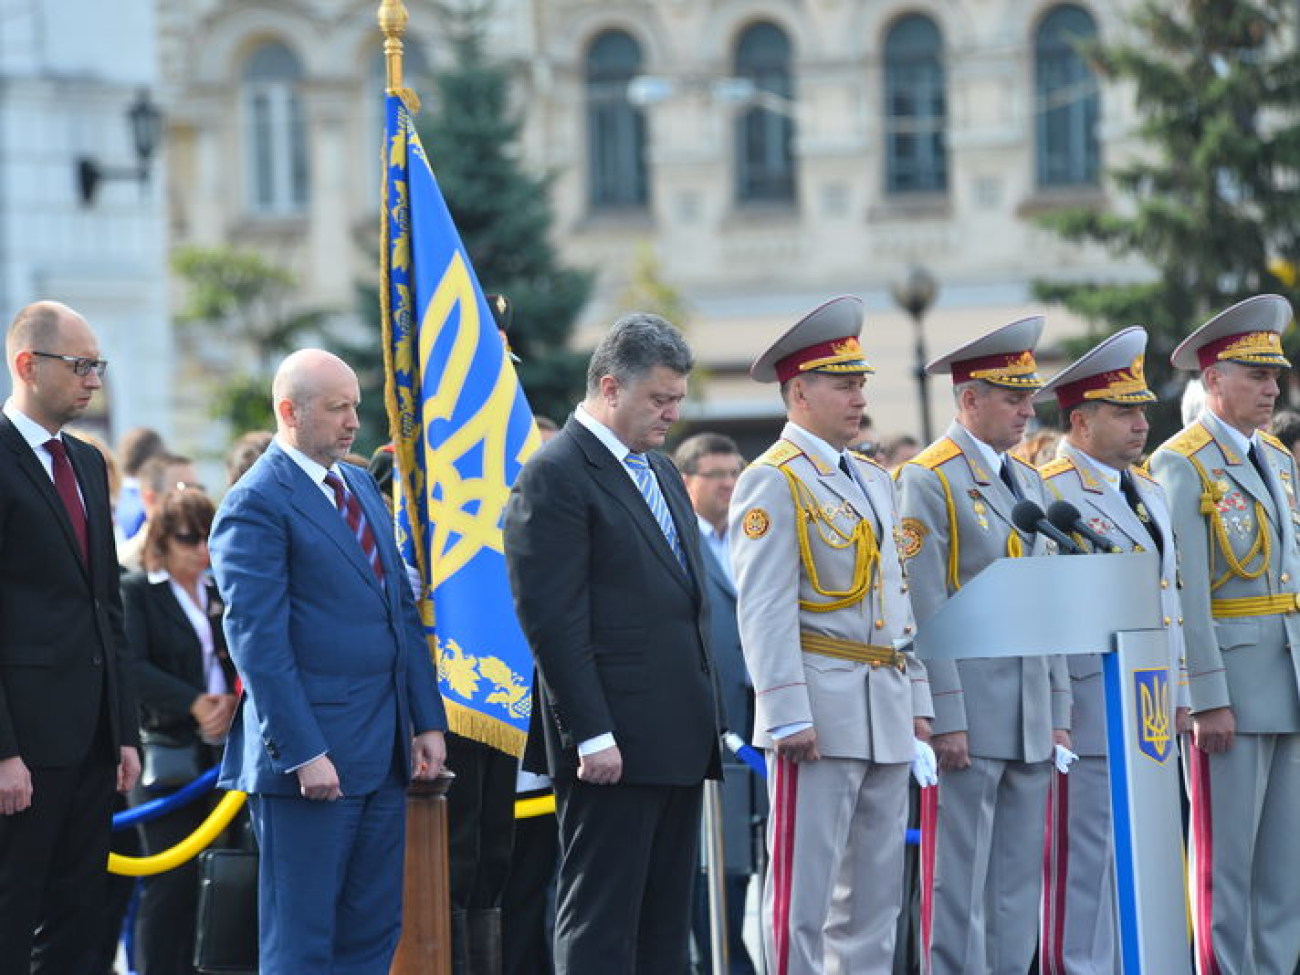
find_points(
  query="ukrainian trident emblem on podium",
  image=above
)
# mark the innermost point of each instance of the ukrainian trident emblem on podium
(1154, 731)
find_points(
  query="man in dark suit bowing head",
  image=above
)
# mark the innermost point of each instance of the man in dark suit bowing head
(340, 704)
(604, 562)
(67, 714)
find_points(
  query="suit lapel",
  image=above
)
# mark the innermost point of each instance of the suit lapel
(42, 484)
(93, 495)
(1238, 466)
(611, 476)
(849, 490)
(380, 521)
(1109, 504)
(998, 495)
(310, 500)
(683, 515)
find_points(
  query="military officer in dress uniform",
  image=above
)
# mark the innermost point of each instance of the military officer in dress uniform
(825, 621)
(1103, 398)
(996, 720)
(1231, 490)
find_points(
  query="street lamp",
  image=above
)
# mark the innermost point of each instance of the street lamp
(145, 122)
(915, 294)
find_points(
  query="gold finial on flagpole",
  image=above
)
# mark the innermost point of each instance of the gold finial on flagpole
(392, 21)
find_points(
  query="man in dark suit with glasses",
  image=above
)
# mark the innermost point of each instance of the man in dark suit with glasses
(67, 714)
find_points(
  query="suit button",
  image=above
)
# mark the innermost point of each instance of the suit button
(97, 660)
(1286, 577)
(904, 589)
(880, 624)
(907, 629)
(1167, 621)
(1164, 583)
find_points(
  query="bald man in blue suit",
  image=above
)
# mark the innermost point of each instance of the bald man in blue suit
(340, 703)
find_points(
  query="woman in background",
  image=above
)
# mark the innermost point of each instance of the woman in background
(184, 681)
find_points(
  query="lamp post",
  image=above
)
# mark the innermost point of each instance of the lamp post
(145, 122)
(915, 294)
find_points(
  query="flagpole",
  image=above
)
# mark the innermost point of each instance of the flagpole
(425, 945)
(393, 19)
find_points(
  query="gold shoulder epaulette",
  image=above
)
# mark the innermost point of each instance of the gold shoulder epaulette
(780, 453)
(942, 450)
(1272, 441)
(1054, 467)
(858, 455)
(1141, 471)
(1189, 440)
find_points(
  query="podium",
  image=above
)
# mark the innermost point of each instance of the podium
(1106, 604)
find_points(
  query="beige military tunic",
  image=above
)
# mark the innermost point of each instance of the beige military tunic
(823, 609)
(1236, 533)
(982, 827)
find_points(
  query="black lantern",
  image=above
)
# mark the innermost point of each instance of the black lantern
(145, 122)
(915, 294)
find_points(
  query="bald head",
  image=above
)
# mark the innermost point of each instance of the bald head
(315, 395)
(41, 341)
(39, 326)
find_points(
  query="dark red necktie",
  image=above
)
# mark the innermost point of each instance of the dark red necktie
(65, 482)
(350, 508)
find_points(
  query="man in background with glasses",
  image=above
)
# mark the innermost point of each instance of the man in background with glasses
(67, 712)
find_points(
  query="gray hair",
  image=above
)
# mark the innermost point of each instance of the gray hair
(635, 345)
(695, 448)
(979, 385)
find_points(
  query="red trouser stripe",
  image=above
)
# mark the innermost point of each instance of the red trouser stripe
(929, 827)
(1056, 871)
(786, 794)
(1203, 852)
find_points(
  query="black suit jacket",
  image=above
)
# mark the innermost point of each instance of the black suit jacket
(166, 655)
(618, 629)
(61, 637)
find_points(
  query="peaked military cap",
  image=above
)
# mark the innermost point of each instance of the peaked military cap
(824, 340)
(1250, 332)
(1003, 357)
(1110, 372)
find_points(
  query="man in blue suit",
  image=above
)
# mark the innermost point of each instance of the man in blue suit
(340, 702)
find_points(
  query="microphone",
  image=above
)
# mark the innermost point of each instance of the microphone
(1066, 517)
(1029, 518)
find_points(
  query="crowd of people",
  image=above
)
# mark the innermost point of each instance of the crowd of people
(149, 632)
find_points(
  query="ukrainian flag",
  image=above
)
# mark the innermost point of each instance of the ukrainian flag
(462, 430)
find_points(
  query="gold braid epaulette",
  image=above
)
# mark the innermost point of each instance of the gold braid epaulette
(942, 450)
(862, 538)
(1056, 467)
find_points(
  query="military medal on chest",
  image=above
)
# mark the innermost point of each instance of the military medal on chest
(979, 507)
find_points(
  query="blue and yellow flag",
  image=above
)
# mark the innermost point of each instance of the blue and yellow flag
(462, 429)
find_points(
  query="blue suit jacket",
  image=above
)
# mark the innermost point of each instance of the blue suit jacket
(331, 660)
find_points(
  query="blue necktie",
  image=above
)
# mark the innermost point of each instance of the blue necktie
(654, 497)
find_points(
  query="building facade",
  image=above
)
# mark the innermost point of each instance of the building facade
(768, 153)
(71, 71)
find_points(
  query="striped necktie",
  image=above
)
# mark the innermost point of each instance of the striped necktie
(645, 479)
(350, 508)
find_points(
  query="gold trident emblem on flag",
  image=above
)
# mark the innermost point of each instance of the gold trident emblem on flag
(1154, 697)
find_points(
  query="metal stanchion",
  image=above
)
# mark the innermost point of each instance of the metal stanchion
(715, 873)
(425, 947)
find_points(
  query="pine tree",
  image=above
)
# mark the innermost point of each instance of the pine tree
(504, 215)
(1215, 190)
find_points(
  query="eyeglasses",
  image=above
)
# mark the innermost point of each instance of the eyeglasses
(80, 365)
(729, 474)
(190, 539)
(190, 485)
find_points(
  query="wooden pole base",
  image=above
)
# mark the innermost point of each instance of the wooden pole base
(425, 946)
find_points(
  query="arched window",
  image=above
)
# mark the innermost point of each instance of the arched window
(615, 127)
(764, 138)
(916, 112)
(1066, 105)
(277, 133)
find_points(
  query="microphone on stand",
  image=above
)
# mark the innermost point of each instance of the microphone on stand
(1066, 517)
(1029, 518)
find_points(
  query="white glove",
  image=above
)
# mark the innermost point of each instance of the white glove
(1064, 759)
(925, 768)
